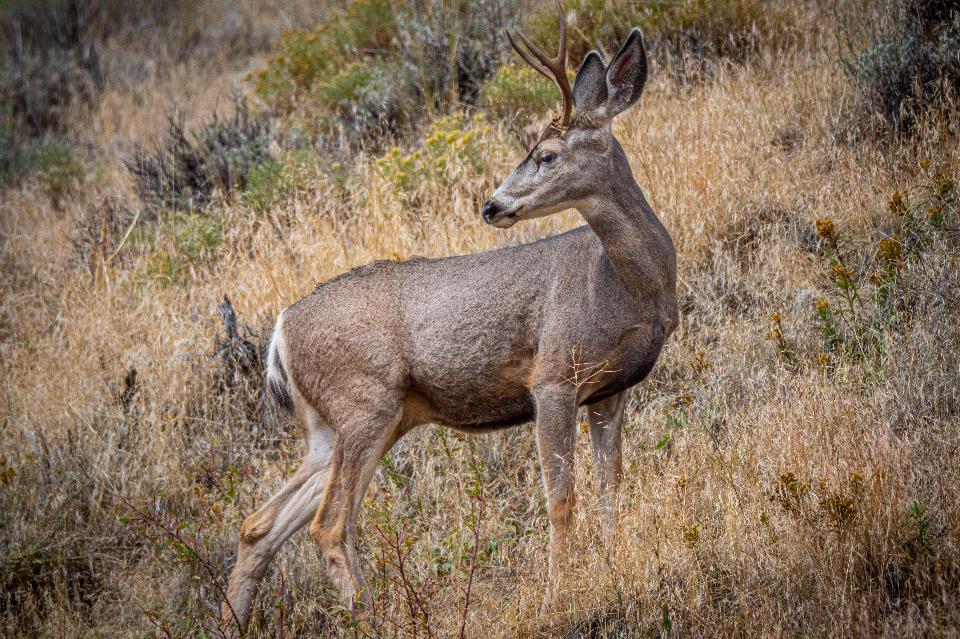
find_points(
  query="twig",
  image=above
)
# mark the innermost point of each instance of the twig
(125, 236)
(413, 597)
(281, 606)
(175, 534)
(477, 518)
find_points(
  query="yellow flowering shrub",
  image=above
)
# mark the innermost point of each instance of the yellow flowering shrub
(450, 149)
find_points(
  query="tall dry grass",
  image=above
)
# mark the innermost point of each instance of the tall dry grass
(765, 494)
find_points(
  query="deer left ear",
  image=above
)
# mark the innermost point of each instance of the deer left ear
(626, 74)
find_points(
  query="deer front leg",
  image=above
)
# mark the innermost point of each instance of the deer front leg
(556, 435)
(606, 419)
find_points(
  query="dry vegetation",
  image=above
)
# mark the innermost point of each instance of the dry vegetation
(793, 462)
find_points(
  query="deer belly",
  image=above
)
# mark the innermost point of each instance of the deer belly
(472, 407)
(472, 394)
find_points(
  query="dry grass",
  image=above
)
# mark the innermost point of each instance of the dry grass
(789, 498)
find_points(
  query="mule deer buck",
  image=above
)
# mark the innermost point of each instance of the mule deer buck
(484, 341)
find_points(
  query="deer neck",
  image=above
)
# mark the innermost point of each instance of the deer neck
(635, 241)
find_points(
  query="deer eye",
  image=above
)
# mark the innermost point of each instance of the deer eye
(547, 157)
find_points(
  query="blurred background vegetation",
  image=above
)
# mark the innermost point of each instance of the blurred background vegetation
(369, 74)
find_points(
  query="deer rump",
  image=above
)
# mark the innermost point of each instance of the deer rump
(420, 330)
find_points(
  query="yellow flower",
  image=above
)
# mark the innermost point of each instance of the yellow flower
(942, 185)
(898, 203)
(826, 229)
(843, 272)
(891, 249)
(691, 534)
(822, 304)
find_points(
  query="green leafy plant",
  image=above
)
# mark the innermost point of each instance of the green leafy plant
(867, 307)
(517, 90)
(275, 180)
(917, 524)
(179, 243)
(62, 168)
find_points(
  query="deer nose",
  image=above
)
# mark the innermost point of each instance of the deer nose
(489, 211)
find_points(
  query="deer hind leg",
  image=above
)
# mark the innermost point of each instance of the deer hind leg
(606, 418)
(263, 533)
(360, 445)
(556, 438)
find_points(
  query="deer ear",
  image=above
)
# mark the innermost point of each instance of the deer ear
(626, 74)
(590, 86)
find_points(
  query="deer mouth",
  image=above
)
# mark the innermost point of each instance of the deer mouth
(504, 219)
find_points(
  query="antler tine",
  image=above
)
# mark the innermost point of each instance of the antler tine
(529, 59)
(553, 68)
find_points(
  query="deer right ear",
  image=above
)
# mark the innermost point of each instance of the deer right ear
(590, 86)
(626, 74)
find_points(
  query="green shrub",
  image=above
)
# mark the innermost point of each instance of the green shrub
(365, 98)
(179, 242)
(306, 57)
(59, 167)
(518, 90)
(264, 183)
(347, 86)
(369, 71)
(270, 182)
(908, 65)
(195, 237)
(62, 168)
(185, 168)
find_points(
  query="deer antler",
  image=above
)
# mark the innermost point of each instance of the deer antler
(553, 68)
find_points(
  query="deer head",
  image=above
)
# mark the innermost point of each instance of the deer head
(577, 157)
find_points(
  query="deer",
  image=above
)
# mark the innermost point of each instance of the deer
(483, 341)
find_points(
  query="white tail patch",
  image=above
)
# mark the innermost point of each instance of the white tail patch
(278, 381)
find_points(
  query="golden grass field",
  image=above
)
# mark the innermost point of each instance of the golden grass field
(770, 489)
